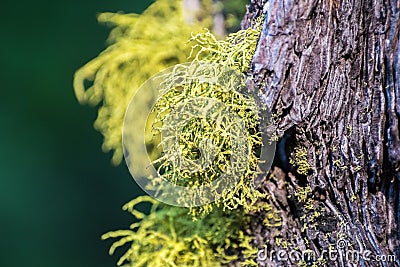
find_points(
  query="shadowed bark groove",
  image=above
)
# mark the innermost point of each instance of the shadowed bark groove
(330, 72)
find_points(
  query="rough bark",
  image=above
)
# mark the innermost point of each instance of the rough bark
(330, 72)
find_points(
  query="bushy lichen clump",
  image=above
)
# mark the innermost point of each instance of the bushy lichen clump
(198, 130)
(168, 237)
(216, 131)
(141, 45)
(235, 52)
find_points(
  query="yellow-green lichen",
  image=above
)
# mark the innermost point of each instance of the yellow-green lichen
(140, 46)
(236, 51)
(138, 50)
(167, 237)
(302, 194)
(311, 212)
(193, 133)
(299, 160)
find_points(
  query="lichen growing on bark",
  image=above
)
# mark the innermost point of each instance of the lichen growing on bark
(215, 234)
(167, 236)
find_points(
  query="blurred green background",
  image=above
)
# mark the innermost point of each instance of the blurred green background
(59, 192)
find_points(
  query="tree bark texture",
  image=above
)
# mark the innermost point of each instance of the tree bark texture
(330, 72)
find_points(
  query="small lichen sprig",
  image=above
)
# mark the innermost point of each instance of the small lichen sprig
(299, 160)
(167, 237)
(140, 46)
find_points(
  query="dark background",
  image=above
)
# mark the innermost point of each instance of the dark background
(59, 192)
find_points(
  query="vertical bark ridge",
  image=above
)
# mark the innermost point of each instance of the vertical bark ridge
(330, 72)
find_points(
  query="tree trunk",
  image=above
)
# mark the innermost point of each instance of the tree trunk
(330, 72)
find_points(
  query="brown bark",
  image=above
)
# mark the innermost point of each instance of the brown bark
(330, 72)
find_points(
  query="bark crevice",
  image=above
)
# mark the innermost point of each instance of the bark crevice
(330, 72)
